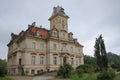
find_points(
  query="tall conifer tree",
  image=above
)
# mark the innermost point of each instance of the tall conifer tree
(100, 53)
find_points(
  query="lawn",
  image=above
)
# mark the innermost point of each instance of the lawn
(92, 76)
(87, 76)
(117, 77)
(5, 78)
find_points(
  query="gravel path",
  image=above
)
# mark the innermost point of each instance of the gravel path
(46, 76)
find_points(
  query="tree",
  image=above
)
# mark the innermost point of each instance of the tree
(113, 60)
(100, 53)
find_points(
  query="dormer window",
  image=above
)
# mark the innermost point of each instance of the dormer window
(38, 33)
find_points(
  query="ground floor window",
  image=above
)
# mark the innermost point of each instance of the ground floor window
(32, 72)
(72, 61)
(54, 60)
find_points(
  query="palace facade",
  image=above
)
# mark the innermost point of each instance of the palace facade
(38, 49)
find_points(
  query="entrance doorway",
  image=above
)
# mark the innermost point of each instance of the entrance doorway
(20, 61)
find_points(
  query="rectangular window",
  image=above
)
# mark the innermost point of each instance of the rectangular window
(41, 60)
(63, 36)
(54, 47)
(33, 45)
(55, 60)
(79, 51)
(41, 47)
(71, 49)
(72, 61)
(64, 47)
(33, 60)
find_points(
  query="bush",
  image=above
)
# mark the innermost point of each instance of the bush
(83, 68)
(65, 71)
(74, 76)
(3, 71)
(105, 75)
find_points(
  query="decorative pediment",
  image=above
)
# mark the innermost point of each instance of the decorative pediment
(33, 53)
(42, 54)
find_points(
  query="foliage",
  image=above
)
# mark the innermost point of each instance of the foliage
(106, 75)
(100, 53)
(117, 77)
(65, 70)
(86, 69)
(89, 76)
(3, 69)
(83, 68)
(114, 60)
(5, 78)
(74, 76)
(89, 60)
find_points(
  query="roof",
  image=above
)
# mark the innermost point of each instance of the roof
(32, 31)
(58, 10)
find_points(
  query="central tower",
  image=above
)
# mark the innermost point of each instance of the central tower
(59, 21)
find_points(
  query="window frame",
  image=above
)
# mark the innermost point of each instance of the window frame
(54, 47)
(41, 60)
(55, 60)
(33, 60)
(33, 45)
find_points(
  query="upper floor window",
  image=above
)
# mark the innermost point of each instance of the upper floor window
(54, 60)
(63, 36)
(54, 47)
(71, 49)
(41, 60)
(41, 47)
(64, 48)
(78, 50)
(38, 33)
(33, 45)
(33, 60)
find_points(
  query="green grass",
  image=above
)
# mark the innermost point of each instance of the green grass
(117, 77)
(5, 78)
(92, 76)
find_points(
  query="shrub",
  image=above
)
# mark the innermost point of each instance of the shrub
(106, 75)
(74, 76)
(65, 71)
(83, 68)
(3, 71)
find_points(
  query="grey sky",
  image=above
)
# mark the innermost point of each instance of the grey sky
(88, 19)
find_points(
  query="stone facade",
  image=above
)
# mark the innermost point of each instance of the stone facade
(38, 49)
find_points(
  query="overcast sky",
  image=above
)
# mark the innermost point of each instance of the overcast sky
(88, 19)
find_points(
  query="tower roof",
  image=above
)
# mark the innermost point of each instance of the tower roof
(58, 10)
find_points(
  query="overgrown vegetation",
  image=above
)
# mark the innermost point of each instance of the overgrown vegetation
(5, 78)
(106, 75)
(65, 71)
(114, 60)
(95, 68)
(3, 69)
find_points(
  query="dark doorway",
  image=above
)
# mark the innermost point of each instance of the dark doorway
(20, 61)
